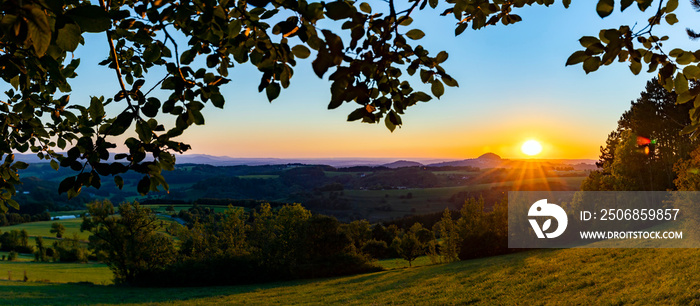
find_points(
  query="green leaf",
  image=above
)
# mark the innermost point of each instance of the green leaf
(39, 29)
(152, 53)
(66, 184)
(421, 96)
(433, 3)
(635, 67)
(90, 18)
(566, 3)
(460, 28)
(54, 164)
(392, 120)
(692, 72)
(605, 8)
(624, 4)
(415, 34)
(644, 4)
(357, 114)
(689, 129)
(685, 58)
(681, 84)
(121, 123)
(365, 8)
(20, 165)
(406, 21)
(591, 64)
(337, 10)
(586, 41)
(441, 57)
(119, 182)
(389, 125)
(152, 106)
(272, 91)
(144, 185)
(684, 97)
(301, 51)
(144, 131)
(425, 75)
(671, 19)
(217, 99)
(96, 109)
(577, 57)
(449, 81)
(68, 37)
(335, 103)
(676, 52)
(212, 60)
(197, 117)
(12, 203)
(437, 88)
(671, 5)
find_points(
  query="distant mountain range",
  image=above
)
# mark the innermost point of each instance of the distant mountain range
(335, 162)
(488, 160)
(402, 164)
(491, 160)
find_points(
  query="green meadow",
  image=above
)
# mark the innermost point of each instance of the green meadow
(539, 277)
(430, 200)
(42, 228)
(95, 273)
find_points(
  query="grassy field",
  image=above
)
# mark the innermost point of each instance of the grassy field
(42, 228)
(100, 274)
(428, 200)
(541, 277)
(399, 263)
(95, 273)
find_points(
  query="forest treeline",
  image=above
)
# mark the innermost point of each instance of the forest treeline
(269, 244)
(650, 148)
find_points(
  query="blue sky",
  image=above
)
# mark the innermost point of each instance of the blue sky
(513, 87)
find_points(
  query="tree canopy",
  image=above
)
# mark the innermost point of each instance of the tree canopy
(369, 60)
(642, 152)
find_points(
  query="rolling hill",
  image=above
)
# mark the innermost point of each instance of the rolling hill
(542, 277)
(491, 160)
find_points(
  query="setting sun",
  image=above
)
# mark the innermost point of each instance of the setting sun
(531, 148)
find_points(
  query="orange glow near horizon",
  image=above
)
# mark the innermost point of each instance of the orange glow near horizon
(330, 138)
(399, 147)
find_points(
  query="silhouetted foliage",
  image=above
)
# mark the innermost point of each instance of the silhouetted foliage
(58, 229)
(40, 253)
(641, 152)
(482, 233)
(70, 250)
(223, 248)
(128, 243)
(377, 249)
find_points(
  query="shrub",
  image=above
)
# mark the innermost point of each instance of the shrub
(58, 229)
(376, 249)
(70, 250)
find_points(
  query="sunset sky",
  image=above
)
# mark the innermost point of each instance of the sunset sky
(513, 87)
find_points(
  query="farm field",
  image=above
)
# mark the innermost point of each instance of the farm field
(42, 228)
(428, 200)
(95, 273)
(578, 276)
